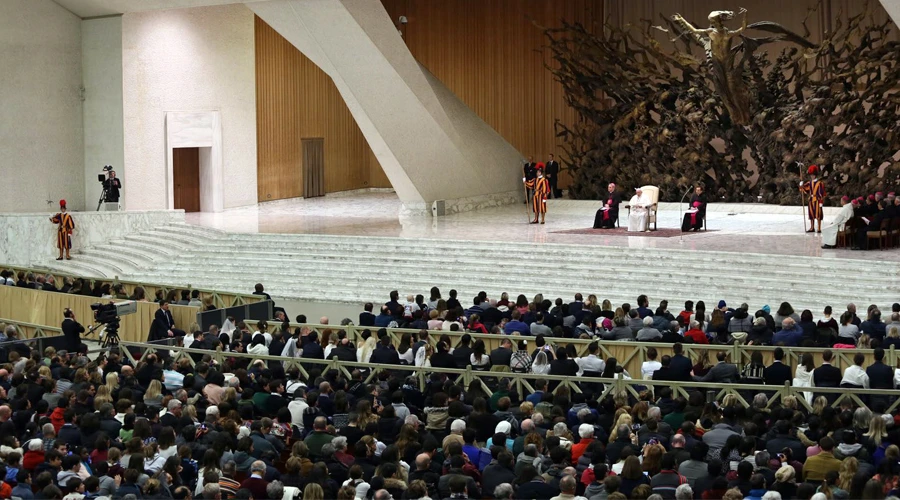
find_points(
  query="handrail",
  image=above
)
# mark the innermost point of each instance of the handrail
(630, 354)
(617, 387)
(220, 298)
(36, 331)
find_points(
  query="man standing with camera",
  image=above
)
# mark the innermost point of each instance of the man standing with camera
(112, 185)
(72, 331)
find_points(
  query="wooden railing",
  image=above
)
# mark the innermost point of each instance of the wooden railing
(523, 383)
(220, 299)
(30, 330)
(42, 309)
(630, 355)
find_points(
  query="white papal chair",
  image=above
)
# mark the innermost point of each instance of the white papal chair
(652, 194)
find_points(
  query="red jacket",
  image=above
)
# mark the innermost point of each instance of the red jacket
(32, 459)
(579, 448)
(56, 418)
(697, 335)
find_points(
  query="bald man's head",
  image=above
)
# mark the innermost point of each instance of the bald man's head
(527, 425)
(423, 461)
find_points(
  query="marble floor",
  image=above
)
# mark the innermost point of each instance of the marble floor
(738, 228)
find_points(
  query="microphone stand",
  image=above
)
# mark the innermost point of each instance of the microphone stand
(680, 214)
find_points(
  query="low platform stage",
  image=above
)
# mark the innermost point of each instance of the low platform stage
(763, 229)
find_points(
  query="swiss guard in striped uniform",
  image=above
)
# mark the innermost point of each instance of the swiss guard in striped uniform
(64, 226)
(540, 186)
(815, 188)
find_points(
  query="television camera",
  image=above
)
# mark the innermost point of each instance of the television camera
(108, 315)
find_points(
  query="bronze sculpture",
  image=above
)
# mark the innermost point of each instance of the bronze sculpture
(719, 110)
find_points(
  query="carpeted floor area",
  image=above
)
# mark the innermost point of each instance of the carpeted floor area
(621, 231)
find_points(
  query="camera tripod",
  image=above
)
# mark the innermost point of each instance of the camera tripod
(109, 336)
(103, 196)
(111, 339)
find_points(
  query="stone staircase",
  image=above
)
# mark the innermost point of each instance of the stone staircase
(356, 269)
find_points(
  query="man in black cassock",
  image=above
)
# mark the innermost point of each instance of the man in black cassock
(694, 221)
(605, 219)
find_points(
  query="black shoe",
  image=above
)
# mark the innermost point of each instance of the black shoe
(59, 258)
(828, 246)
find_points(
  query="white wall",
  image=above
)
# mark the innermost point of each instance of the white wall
(41, 154)
(104, 141)
(197, 59)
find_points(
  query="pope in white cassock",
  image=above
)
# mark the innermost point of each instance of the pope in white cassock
(639, 216)
(830, 232)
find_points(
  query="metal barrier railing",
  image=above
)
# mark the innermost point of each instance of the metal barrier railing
(523, 383)
(629, 354)
(31, 330)
(220, 298)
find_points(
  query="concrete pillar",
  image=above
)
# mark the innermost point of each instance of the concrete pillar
(104, 138)
(431, 146)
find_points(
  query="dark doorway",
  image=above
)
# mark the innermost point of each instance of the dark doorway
(186, 178)
(313, 167)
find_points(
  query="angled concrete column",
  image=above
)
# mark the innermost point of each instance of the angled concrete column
(431, 146)
(893, 9)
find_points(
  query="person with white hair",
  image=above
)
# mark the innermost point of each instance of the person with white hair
(586, 437)
(456, 430)
(503, 492)
(648, 333)
(774, 495)
(638, 215)
(685, 492)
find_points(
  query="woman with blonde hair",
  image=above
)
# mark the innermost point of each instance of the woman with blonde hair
(702, 366)
(876, 434)
(591, 302)
(818, 405)
(102, 397)
(112, 382)
(846, 473)
(153, 396)
(365, 352)
(313, 492)
(622, 419)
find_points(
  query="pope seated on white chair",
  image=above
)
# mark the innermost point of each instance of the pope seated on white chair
(638, 218)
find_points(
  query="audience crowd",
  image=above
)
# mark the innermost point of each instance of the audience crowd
(192, 427)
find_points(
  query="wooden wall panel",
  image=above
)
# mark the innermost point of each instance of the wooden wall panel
(296, 100)
(489, 53)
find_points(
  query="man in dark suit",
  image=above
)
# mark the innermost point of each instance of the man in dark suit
(366, 318)
(502, 355)
(721, 372)
(172, 415)
(72, 331)
(827, 375)
(385, 353)
(551, 171)
(665, 371)
(50, 284)
(777, 373)
(529, 170)
(163, 324)
(680, 365)
(881, 376)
